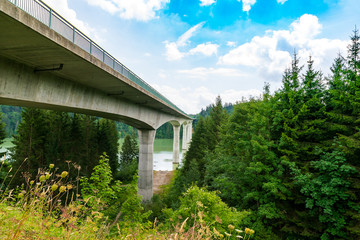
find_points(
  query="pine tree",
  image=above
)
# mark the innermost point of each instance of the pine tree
(108, 141)
(2, 130)
(28, 152)
(129, 159)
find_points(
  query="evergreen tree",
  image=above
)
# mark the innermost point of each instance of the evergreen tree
(28, 152)
(58, 139)
(2, 130)
(129, 159)
(108, 141)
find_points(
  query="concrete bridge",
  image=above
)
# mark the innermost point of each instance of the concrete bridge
(46, 62)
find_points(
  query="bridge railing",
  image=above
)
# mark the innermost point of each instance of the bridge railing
(53, 20)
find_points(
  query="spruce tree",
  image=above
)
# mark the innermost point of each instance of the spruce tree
(108, 141)
(28, 152)
(129, 159)
(2, 130)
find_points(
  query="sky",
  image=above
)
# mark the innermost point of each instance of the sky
(191, 51)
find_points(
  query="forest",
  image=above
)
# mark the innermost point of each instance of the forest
(280, 166)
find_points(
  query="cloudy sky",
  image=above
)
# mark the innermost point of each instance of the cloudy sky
(193, 50)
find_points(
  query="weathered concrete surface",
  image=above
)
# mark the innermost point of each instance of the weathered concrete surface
(30, 42)
(176, 144)
(84, 84)
(146, 148)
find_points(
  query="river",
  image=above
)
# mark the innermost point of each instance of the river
(162, 153)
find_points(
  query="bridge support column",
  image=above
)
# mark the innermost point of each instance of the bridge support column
(146, 149)
(176, 145)
(188, 135)
(185, 137)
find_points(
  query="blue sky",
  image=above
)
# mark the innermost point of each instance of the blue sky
(193, 50)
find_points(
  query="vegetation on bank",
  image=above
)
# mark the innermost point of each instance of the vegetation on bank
(50, 206)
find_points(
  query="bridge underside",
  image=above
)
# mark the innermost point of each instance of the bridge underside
(76, 81)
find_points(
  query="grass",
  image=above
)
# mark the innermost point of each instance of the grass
(48, 207)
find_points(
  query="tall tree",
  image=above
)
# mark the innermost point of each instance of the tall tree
(108, 141)
(29, 145)
(2, 130)
(129, 159)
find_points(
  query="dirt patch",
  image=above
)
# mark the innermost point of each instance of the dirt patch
(161, 178)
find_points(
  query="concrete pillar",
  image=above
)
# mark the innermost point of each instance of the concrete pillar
(189, 135)
(185, 136)
(176, 144)
(146, 149)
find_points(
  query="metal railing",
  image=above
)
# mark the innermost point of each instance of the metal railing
(54, 21)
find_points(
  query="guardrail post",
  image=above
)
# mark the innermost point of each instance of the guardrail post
(50, 18)
(73, 35)
(90, 47)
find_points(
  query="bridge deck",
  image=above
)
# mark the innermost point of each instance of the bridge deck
(27, 40)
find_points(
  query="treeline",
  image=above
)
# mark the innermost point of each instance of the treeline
(11, 116)
(292, 159)
(66, 140)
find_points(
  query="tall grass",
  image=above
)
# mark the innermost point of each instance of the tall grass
(49, 207)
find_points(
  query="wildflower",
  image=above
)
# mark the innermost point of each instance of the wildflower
(54, 187)
(238, 236)
(62, 189)
(51, 166)
(69, 186)
(64, 174)
(249, 231)
(42, 178)
(21, 195)
(42, 195)
(47, 176)
(31, 182)
(239, 231)
(227, 234)
(231, 227)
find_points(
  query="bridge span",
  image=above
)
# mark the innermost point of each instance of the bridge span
(46, 62)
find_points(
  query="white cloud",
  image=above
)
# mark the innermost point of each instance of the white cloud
(62, 7)
(184, 39)
(206, 2)
(192, 100)
(282, 1)
(231, 44)
(141, 10)
(173, 52)
(207, 49)
(247, 4)
(271, 54)
(203, 73)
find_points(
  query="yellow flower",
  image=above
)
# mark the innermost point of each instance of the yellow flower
(62, 189)
(54, 187)
(64, 174)
(69, 186)
(47, 176)
(31, 182)
(51, 166)
(249, 231)
(42, 178)
(227, 234)
(231, 227)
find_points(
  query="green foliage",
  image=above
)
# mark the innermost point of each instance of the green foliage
(2, 131)
(199, 203)
(103, 194)
(327, 191)
(67, 140)
(129, 159)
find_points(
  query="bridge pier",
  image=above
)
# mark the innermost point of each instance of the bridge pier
(187, 135)
(146, 150)
(176, 145)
